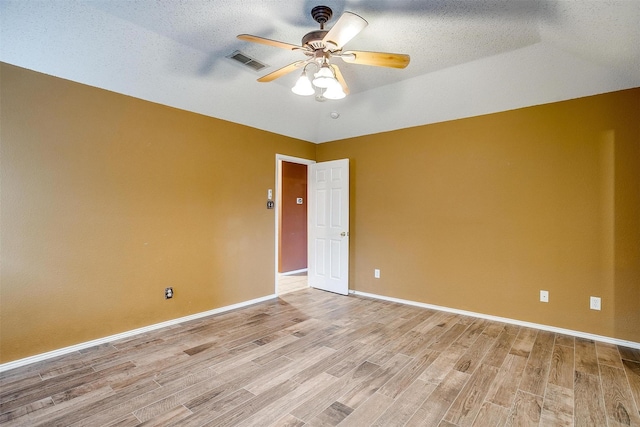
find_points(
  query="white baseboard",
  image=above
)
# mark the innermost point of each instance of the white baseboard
(289, 273)
(579, 334)
(66, 350)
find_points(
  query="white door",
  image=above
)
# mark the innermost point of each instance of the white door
(328, 231)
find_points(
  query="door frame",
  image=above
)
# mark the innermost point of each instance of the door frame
(277, 199)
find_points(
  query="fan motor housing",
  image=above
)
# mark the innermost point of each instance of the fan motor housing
(314, 39)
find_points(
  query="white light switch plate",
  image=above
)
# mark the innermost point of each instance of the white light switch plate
(544, 296)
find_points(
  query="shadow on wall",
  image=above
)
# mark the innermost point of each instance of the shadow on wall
(620, 166)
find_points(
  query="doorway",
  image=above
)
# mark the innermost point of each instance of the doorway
(291, 223)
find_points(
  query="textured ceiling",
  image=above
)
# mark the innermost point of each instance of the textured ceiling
(468, 57)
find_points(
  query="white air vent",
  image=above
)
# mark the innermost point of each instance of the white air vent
(247, 61)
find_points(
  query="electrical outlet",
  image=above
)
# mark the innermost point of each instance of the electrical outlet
(544, 296)
(376, 273)
(595, 303)
(168, 293)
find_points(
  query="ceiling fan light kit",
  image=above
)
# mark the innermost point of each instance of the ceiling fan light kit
(303, 86)
(320, 46)
(324, 77)
(324, 85)
(334, 92)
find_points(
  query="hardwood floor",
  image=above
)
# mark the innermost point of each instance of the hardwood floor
(317, 359)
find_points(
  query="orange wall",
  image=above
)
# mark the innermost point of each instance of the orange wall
(106, 200)
(481, 214)
(293, 218)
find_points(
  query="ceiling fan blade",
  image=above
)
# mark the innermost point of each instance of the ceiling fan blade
(347, 27)
(378, 59)
(268, 42)
(340, 79)
(281, 72)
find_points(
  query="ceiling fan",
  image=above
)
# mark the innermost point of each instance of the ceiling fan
(320, 47)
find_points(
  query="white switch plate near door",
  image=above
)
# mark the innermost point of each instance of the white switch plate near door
(544, 296)
(376, 273)
(595, 303)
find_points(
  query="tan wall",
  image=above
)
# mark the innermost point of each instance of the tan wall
(106, 200)
(481, 214)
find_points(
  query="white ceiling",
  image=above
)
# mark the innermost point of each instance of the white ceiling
(468, 57)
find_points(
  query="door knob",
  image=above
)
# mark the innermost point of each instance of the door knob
(344, 233)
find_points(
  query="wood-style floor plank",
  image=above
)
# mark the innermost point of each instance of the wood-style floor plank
(354, 397)
(408, 375)
(498, 352)
(557, 409)
(440, 400)
(325, 396)
(465, 408)
(491, 415)
(618, 401)
(608, 354)
(588, 400)
(586, 360)
(526, 410)
(534, 379)
(561, 369)
(312, 358)
(284, 404)
(632, 370)
(404, 406)
(505, 385)
(524, 342)
(367, 413)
